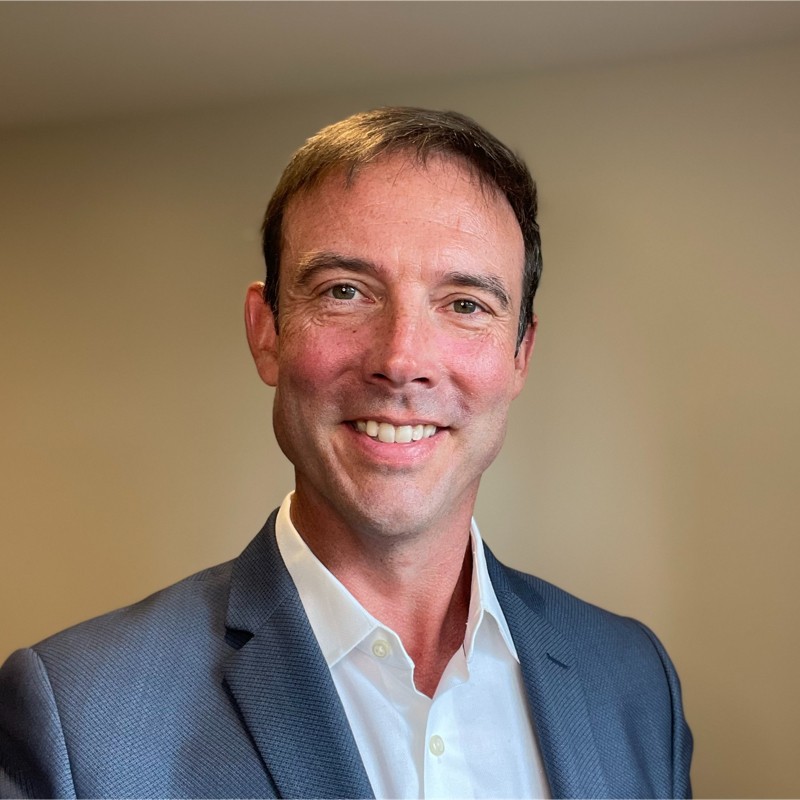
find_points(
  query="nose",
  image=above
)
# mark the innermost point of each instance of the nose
(403, 350)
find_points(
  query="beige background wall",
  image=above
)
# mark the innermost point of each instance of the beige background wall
(652, 465)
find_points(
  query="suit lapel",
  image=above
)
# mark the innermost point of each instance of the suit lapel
(281, 684)
(554, 688)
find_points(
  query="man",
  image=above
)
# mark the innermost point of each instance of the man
(366, 642)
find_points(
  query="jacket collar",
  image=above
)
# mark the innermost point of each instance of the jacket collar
(280, 682)
(554, 688)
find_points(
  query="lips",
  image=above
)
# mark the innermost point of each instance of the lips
(394, 434)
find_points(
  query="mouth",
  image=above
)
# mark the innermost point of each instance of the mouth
(394, 434)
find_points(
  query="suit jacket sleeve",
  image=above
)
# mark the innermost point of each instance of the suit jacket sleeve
(33, 753)
(682, 742)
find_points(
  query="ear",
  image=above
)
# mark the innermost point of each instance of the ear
(261, 334)
(523, 357)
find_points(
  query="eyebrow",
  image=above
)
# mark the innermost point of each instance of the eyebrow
(488, 283)
(315, 263)
(320, 262)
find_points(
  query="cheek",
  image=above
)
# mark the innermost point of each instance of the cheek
(312, 359)
(485, 371)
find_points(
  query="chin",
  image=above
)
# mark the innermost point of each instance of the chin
(394, 524)
(398, 514)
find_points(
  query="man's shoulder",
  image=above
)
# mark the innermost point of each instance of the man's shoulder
(595, 634)
(181, 627)
(557, 603)
(174, 623)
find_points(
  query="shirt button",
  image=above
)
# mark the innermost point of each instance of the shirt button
(436, 745)
(380, 649)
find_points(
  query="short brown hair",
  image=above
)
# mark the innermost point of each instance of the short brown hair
(362, 138)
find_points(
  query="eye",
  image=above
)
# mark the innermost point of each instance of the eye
(465, 306)
(343, 291)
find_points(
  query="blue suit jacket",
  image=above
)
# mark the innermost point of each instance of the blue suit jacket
(216, 687)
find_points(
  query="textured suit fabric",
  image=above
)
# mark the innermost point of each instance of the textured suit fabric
(216, 687)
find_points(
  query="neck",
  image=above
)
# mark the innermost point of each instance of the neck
(419, 586)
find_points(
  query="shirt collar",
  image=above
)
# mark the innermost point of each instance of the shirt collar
(483, 599)
(341, 623)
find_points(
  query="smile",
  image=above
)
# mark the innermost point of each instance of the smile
(391, 434)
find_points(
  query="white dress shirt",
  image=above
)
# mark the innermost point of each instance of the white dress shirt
(474, 739)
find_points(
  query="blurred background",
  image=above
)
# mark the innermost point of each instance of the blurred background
(652, 460)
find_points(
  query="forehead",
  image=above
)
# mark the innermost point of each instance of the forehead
(398, 202)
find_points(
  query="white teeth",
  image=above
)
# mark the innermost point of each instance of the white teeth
(390, 434)
(386, 433)
(403, 434)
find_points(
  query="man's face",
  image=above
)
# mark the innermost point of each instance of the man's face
(395, 363)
